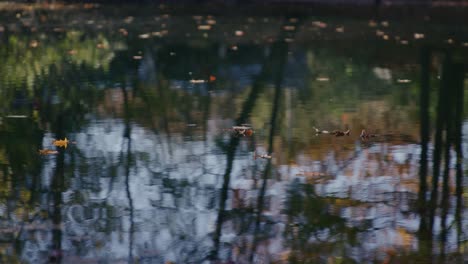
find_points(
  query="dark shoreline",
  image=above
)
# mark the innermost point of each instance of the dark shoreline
(451, 12)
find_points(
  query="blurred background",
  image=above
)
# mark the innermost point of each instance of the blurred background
(146, 94)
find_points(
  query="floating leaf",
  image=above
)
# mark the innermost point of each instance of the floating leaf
(418, 36)
(61, 143)
(48, 152)
(322, 79)
(403, 81)
(242, 130)
(197, 81)
(379, 33)
(204, 27)
(144, 36)
(261, 156)
(123, 31)
(211, 22)
(319, 24)
(338, 133)
(34, 44)
(372, 23)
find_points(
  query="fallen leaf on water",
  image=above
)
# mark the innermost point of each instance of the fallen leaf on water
(318, 131)
(242, 130)
(372, 23)
(89, 6)
(197, 81)
(293, 20)
(60, 142)
(144, 36)
(211, 22)
(379, 33)
(204, 27)
(47, 152)
(323, 79)
(319, 24)
(339, 29)
(34, 44)
(403, 81)
(128, 19)
(338, 133)
(262, 156)
(364, 135)
(123, 31)
(418, 36)
(289, 28)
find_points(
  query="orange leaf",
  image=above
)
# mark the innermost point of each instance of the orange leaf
(61, 142)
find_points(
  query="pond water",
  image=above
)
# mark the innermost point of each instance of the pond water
(154, 172)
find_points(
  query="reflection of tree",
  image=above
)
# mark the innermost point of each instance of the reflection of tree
(26, 64)
(273, 65)
(20, 166)
(278, 79)
(424, 232)
(460, 69)
(312, 231)
(353, 96)
(57, 188)
(53, 98)
(65, 85)
(128, 164)
(447, 135)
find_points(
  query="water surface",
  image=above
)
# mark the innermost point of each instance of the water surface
(152, 172)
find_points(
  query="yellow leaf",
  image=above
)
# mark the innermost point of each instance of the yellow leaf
(61, 142)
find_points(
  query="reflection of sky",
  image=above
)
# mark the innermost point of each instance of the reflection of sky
(174, 186)
(162, 213)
